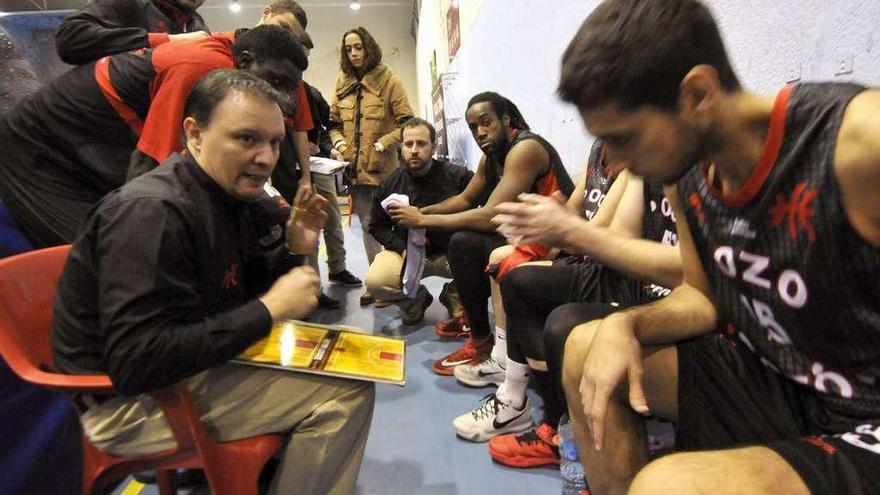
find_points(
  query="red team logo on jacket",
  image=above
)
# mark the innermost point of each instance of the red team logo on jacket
(230, 278)
(798, 210)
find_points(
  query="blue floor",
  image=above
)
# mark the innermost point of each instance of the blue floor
(412, 447)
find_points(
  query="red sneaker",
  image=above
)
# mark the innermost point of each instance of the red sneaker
(538, 446)
(471, 352)
(453, 328)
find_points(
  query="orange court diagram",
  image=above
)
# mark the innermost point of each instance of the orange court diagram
(329, 350)
(368, 355)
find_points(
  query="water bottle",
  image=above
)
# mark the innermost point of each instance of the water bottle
(573, 480)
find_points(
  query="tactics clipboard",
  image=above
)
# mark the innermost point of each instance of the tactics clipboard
(329, 350)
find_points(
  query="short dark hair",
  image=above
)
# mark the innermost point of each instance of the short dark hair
(267, 42)
(373, 54)
(636, 52)
(214, 86)
(419, 122)
(285, 6)
(306, 40)
(501, 106)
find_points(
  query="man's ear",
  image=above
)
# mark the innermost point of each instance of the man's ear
(506, 119)
(193, 132)
(700, 93)
(245, 59)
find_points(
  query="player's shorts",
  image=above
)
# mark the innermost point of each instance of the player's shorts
(727, 398)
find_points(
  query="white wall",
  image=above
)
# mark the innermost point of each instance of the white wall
(432, 39)
(514, 47)
(389, 23)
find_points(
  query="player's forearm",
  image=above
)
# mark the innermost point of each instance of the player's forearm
(453, 204)
(478, 219)
(683, 314)
(638, 258)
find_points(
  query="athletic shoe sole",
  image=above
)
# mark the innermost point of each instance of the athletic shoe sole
(522, 462)
(476, 383)
(345, 284)
(481, 436)
(447, 369)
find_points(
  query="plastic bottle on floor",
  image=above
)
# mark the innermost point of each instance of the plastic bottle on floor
(573, 480)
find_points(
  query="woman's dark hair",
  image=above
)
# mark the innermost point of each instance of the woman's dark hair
(372, 53)
(502, 106)
(636, 52)
(267, 42)
(419, 122)
(214, 86)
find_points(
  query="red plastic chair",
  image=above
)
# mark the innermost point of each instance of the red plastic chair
(27, 293)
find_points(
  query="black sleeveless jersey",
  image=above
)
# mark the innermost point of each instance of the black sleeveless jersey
(789, 274)
(658, 224)
(598, 181)
(556, 177)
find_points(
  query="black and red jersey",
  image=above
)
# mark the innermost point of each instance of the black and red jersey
(106, 27)
(554, 179)
(658, 225)
(790, 276)
(599, 179)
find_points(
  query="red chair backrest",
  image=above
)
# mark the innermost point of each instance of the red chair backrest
(28, 283)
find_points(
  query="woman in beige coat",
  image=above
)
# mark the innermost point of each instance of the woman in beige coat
(368, 106)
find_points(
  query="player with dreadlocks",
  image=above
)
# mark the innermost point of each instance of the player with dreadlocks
(515, 160)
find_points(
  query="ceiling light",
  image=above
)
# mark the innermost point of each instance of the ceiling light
(235, 6)
(355, 5)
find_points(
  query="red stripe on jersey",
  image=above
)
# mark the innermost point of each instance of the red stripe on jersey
(548, 184)
(768, 157)
(102, 76)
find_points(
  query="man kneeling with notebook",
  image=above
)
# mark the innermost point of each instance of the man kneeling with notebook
(167, 281)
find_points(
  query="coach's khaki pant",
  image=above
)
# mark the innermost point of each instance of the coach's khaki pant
(384, 275)
(362, 198)
(327, 421)
(334, 239)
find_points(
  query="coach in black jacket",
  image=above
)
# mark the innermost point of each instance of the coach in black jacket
(167, 281)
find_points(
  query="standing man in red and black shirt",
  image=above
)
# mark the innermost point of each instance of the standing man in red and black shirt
(106, 27)
(70, 143)
(293, 168)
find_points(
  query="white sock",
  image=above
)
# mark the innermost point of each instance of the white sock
(516, 381)
(499, 351)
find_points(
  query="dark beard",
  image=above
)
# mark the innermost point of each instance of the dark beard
(501, 146)
(423, 170)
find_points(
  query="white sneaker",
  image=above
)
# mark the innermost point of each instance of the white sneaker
(491, 418)
(486, 372)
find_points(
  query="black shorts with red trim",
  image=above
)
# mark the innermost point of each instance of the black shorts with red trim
(728, 398)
